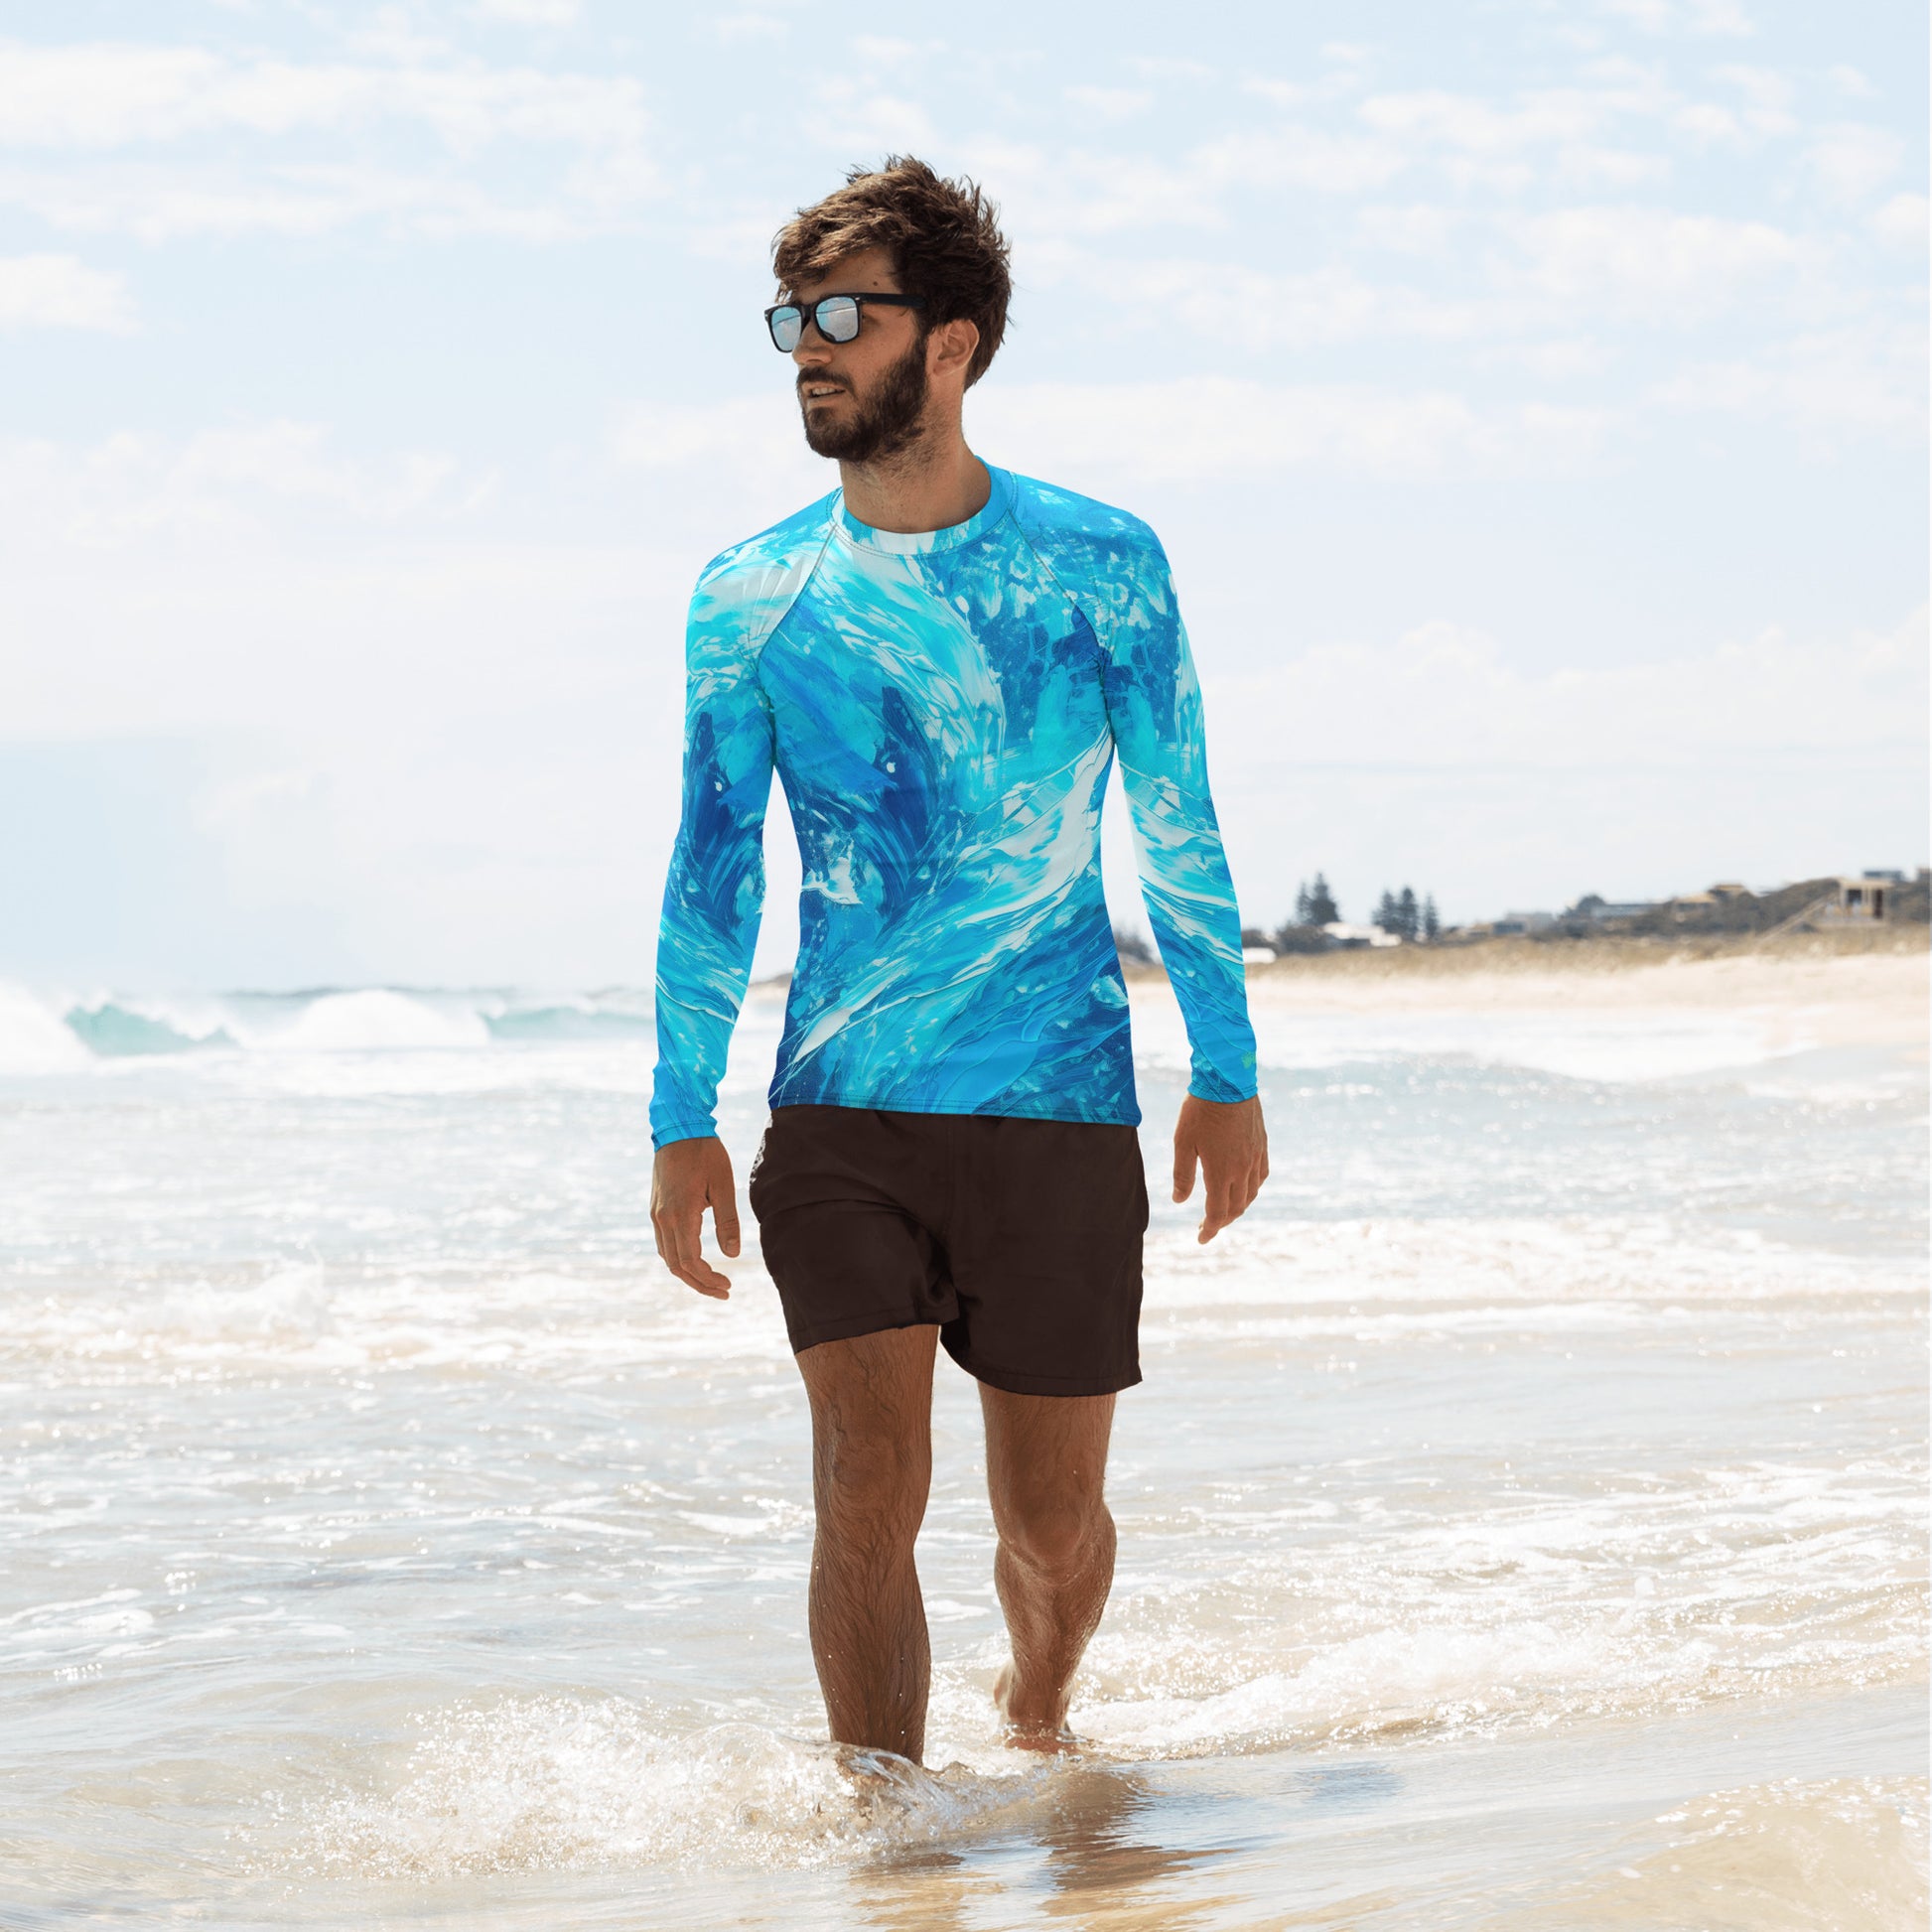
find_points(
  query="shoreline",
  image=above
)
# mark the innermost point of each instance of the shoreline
(1828, 989)
(1553, 957)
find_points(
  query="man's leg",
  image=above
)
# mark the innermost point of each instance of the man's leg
(871, 1465)
(1045, 1469)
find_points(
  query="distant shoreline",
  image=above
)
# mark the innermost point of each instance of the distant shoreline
(1805, 990)
(1514, 955)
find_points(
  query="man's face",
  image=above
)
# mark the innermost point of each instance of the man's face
(865, 399)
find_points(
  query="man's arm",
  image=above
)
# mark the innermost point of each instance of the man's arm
(714, 894)
(1153, 705)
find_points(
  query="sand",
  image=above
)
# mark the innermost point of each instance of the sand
(1850, 990)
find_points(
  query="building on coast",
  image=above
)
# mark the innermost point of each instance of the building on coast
(1864, 901)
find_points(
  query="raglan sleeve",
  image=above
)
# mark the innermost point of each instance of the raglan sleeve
(1153, 704)
(714, 891)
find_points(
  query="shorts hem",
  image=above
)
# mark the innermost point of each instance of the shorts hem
(1019, 1382)
(878, 1323)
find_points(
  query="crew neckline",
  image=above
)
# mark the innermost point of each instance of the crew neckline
(917, 542)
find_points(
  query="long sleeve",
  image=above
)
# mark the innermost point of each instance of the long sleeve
(714, 894)
(1153, 705)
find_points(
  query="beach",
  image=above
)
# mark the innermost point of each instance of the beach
(1807, 991)
(1522, 1518)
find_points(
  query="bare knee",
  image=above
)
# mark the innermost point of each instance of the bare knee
(1058, 1539)
(871, 1482)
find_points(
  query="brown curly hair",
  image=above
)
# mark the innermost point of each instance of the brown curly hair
(943, 238)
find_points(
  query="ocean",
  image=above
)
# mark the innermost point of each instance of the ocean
(1522, 1522)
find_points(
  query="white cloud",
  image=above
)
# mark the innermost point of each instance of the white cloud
(1446, 695)
(1110, 104)
(1570, 270)
(1453, 762)
(1768, 94)
(743, 432)
(114, 101)
(1901, 224)
(1643, 263)
(1297, 157)
(1592, 165)
(1169, 68)
(226, 482)
(1713, 18)
(859, 119)
(58, 292)
(1204, 427)
(1430, 233)
(103, 95)
(1852, 161)
(886, 50)
(1718, 17)
(433, 717)
(1868, 380)
(1194, 428)
(1476, 126)
(736, 30)
(1260, 310)
(161, 201)
(530, 13)
(1590, 133)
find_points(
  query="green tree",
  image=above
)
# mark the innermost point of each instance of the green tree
(1431, 926)
(1323, 910)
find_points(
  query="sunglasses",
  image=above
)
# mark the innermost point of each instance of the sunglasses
(836, 315)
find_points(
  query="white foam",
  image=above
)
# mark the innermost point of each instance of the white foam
(33, 1036)
(291, 1303)
(561, 1784)
(376, 1019)
(1397, 1677)
(1603, 1045)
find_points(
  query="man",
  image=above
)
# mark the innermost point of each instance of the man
(942, 661)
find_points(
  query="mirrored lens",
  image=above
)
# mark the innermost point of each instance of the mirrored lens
(787, 324)
(837, 318)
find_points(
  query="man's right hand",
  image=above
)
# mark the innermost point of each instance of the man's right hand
(686, 1178)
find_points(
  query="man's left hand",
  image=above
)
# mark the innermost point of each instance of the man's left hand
(1229, 1141)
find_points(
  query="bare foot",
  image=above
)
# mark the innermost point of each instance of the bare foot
(1028, 1734)
(874, 1772)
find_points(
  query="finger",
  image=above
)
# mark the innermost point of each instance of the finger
(1184, 1167)
(724, 1220)
(1212, 1221)
(705, 1282)
(1240, 1193)
(1221, 1208)
(687, 1260)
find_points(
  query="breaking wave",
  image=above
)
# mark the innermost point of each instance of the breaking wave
(60, 1032)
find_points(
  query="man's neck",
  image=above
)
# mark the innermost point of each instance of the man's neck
(935, 483)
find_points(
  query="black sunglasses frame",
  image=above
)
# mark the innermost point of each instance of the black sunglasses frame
(809, 313)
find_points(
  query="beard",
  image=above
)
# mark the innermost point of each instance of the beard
(883, 424)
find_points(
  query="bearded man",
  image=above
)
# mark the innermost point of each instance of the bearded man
(943, 661)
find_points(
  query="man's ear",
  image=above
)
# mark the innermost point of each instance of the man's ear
(949, 348)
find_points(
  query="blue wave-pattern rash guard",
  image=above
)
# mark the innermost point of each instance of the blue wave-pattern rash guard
(944, 709)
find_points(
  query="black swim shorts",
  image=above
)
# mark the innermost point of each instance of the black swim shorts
(1020, 1238)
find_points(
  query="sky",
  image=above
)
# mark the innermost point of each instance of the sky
(1530, 397)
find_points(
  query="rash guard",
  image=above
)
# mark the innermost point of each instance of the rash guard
(944, 709)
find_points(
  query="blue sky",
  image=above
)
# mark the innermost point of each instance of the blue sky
(1531, 397)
